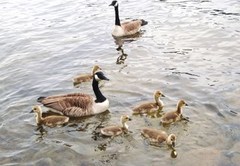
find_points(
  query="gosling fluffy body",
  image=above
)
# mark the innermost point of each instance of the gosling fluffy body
(174, 116)
(113, 131)
(126, 28)
(158, 136)
(86, 77)
(50, 121)
(150, 107)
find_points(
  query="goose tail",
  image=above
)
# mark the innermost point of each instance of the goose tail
(40, 99)
(143, 22)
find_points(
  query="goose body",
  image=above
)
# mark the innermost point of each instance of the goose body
(158, 136)
(127, 28)
(150, 107)
(116, 130)
(86, 77)
(50, 121)
(79, 104)
(174, 116)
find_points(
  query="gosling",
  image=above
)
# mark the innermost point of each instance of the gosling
(50, 121)
(158, 136)
(174, 116)
(112, 131)
(150, 108)
(85, 77)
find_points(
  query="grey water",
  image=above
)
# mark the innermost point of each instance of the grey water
(189, 50)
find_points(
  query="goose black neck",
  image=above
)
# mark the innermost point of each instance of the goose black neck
(117, 20)
(99, 96)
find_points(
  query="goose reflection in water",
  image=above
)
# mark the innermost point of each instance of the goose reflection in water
(119, 41)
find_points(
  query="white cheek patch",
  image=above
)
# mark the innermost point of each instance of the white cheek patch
(116, 4)
(96, 77)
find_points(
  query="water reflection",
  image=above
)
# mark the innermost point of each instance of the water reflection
(120, 41)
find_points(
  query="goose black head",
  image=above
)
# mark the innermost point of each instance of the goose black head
(114, 3)
(100, 76)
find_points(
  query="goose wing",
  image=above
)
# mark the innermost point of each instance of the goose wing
(74, 105)
(131, 27)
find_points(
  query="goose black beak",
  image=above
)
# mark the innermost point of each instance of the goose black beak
(173, 144)
(186, 104)
(101, 76)
(163, 95)
(111, 4)
(129, 119)
(31, 111)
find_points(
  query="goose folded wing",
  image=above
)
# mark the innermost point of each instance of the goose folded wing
(68, 104)
(131, 25)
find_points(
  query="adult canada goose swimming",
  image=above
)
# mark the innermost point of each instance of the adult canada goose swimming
(173, 116)
(150, 107)
(126, 28)
(79, 104)
(86, 77)
(113, 131)
(159, 136)
(50, 121)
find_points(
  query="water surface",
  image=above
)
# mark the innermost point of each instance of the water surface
(189, 50)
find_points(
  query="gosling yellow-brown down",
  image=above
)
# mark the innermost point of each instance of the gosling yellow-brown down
(158, 136)
(113, 131)
(150, 107)
(86, 77)
(174, 116)
(50, 121)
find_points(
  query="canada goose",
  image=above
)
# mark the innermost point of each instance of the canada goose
(159, 136)
(113, 131)
(126, 28)
(86, 77)
(50, 121)
(174, 116)
(150, 107)
(78, 104)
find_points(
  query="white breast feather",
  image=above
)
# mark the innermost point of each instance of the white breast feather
(100, 107)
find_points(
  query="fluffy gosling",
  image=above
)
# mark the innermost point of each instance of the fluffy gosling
(50, 121)
(85, 77)
(174, 116)
(159, 136)
(150, 108)
(113, 131)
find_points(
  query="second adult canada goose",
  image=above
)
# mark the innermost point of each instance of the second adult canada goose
(50, 121)
(159, 136)
(150, 107)
(126, 28)
(86, 77)
(173, 116)
(117, 130)
(79, 104)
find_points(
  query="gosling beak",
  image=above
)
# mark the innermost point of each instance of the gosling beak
(129, 119)
(31, 111)
(163, 95)
(186, 104)
(173, 144)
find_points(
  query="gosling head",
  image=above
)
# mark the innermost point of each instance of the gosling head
(158, 94)
(171, 140)
(114, 3)
(182, 103)
(36, 109)
(96, 68)
(125, 118)
(100, 76)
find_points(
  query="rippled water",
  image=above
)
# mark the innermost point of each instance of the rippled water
(189, 50)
